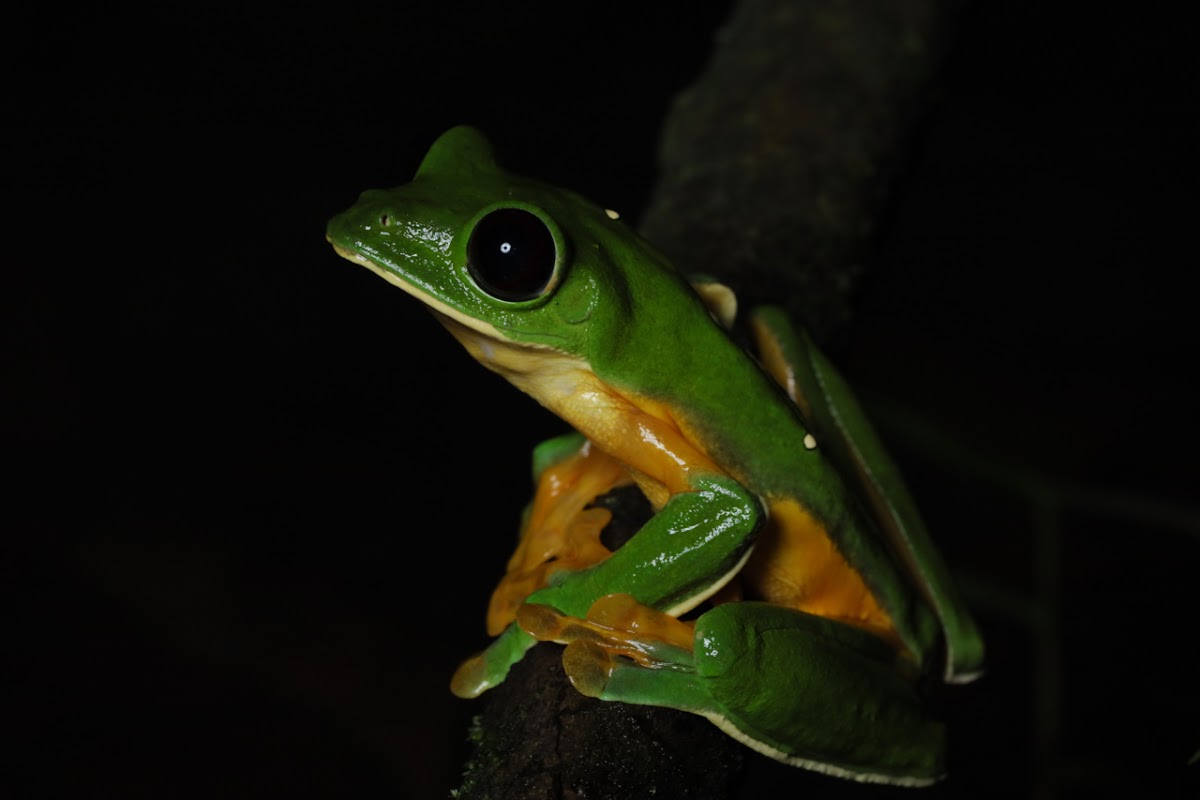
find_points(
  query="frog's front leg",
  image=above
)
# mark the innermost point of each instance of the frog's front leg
(560, 530)
(680, 557)
(802, 689)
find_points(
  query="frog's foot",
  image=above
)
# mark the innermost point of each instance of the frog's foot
(561, 531)
(619, 634)
(482, 671)
(576, 545)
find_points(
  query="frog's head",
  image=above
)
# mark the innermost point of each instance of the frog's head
(510, 260)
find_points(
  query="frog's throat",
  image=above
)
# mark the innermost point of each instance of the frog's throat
(442, 309)
(559, 381)
(541, 371)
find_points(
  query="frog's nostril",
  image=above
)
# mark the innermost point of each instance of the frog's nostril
(385, 219)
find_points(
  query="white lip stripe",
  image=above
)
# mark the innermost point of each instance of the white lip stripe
(485, 328)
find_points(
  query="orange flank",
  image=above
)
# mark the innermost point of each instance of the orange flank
(796, 564)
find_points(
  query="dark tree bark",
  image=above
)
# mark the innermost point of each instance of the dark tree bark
(774, 168)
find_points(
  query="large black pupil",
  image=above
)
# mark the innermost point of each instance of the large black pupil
(511, 254)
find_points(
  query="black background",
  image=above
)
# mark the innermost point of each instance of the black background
(253, 492)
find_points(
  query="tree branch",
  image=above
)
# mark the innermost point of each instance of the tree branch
(774, 170)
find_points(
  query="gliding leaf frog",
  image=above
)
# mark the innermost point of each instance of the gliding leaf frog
(777, 512)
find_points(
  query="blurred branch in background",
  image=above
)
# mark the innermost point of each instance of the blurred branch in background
(1067, 522)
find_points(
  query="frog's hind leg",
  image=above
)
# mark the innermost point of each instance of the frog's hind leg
(839, 427)
(815, 693)
(802, 689)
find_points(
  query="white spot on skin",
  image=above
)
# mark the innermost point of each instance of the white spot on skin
(810, 442)
(612, 214)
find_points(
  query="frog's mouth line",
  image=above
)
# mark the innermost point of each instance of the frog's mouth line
(540, 370)
(436, 305)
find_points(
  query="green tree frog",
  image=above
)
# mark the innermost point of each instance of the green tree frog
(784, 587)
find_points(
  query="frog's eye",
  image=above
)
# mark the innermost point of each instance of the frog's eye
(511, 255)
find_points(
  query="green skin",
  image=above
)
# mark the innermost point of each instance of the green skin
(803, 689)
